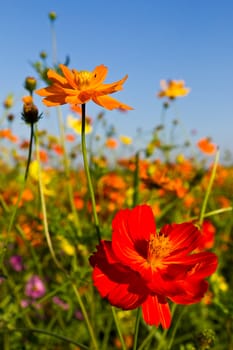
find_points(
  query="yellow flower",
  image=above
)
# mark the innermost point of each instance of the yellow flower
(126, 140)
(78, 87)
(45, 176)
(66, 246)
(76, 125)
(173, 89)
(8, 102)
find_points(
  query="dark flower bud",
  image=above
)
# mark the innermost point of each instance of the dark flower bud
(10, 117)
(43, 55)
(30, 112)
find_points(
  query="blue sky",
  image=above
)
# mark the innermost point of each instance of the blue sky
(149, 40)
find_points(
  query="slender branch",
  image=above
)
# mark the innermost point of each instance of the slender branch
(30, 151)
(87, 171)
(42, 331)
(208, 191)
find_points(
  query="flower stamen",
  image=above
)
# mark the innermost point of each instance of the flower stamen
(83, 79)
(159, 247)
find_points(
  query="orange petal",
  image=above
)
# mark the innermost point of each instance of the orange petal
(68, 75)
(54, 76)
(110, 103)
(99, 74)
(105, 89)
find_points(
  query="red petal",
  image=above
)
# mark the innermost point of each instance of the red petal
(155, 312)
(185, 238)
(131, 233)
(193, 292)
(122, 287)
(200, 265)
(118, 294)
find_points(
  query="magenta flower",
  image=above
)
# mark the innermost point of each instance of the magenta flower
(35, 287)
(16, 263)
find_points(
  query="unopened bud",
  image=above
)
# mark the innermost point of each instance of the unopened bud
(30, 112)
(30, 84)
(10, 117)
(43, 55)
(8, 102)
(52, 16)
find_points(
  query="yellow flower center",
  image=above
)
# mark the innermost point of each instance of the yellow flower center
(83, 79)
(159, 248)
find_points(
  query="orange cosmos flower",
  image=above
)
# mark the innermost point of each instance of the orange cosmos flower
(7, 134)
(173, 89)
(111, 143)
(142, 266)
(206, 146)
(78, 87)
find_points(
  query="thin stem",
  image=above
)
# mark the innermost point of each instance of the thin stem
(51, 334)
(136, 180)
(87, 171)
(82, 307)
(174, 330)
(207, 194)
(54, 43)
(213, 212)
(118, 328)
(67, 173)
(138, 317)
(62, 138)
(147, 339)
(43, 208)
(29, 152)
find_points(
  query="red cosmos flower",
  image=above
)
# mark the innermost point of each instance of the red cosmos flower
(143, 267)
(208, 235)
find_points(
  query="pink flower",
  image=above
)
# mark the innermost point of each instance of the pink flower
(35, 287)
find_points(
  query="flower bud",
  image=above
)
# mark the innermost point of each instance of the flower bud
(52, 16)
(30, 112)
(10, 117)
(8, 102)
(43, 55)
(30, 84)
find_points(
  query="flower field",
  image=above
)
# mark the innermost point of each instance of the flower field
(105, 245)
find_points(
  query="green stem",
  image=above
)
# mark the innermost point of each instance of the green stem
(213, 212)
(43, 208)
(87, 171)
(62, 138)
(136, 180)
(147, 339)
(83, 310)
(51, 334)
(67, 173)
(54, 43)
(118, 328)
(207, 194)
(138, 317)
(174, 329)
